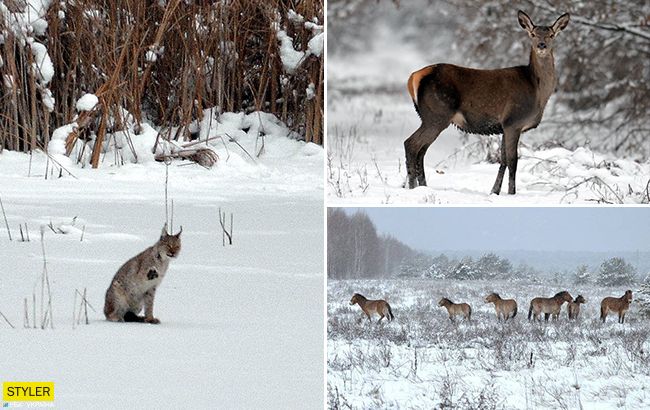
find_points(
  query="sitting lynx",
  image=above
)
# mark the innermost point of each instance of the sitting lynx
(134, 285)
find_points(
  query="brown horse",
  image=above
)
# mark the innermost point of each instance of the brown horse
(574, 307)
(456, 309)
(370, 307)
(619, 305)
(548, 306)
(505, 308)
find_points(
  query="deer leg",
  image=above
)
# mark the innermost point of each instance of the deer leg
(512, 157)
(431, 134)
(496, 189)
(412, 146)
(416, 147)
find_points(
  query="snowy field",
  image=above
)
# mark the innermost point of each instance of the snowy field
(423, 361)
(240, 325)
(370, 114)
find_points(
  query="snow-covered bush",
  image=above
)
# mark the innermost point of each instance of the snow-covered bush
(616, 272)
(114, 67)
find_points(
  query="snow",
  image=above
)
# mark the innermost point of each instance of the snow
(310, 91)
(48, 99)
(87, 102)
(291, 58)
(315, 45)
(239, 323)
(30, 21)
(150, 56)
(43, 62)
(422, 360)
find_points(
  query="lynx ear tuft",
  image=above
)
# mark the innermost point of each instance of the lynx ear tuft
(178, 235)
(164, 231)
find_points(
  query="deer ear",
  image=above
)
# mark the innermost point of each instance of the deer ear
(525, 22)
(561, 23)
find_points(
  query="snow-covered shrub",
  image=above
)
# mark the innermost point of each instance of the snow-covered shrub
(153, 63)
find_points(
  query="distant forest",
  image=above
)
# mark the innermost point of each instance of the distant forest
(356, 250)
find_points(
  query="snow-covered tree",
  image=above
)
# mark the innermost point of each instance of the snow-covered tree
(616, 272)
(582, 275)
(439, 267)
(464, 270)
(491, 266)
(643, 297)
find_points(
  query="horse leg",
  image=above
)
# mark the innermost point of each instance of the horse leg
(546, 315)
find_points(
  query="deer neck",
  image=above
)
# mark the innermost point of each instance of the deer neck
(543, 75)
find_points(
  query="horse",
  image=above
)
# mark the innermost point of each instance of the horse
(456, 309)
(548, 306)
(619, 305)
(505, 308)
(370, 307)
(574, 307)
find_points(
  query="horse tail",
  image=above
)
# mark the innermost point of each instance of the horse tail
(514, 312)
(602, 312)
(469, 312)
(391, 316)
(530, 310)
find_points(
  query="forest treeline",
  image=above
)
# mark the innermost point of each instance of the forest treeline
(163, 62)
(355, 250)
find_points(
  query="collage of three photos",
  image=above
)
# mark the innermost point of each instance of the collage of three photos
(349, 204)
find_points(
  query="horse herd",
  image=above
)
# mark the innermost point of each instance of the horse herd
(507, 308)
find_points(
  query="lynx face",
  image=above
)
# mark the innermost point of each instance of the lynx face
(170, 243)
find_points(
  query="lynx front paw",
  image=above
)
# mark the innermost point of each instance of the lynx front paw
(152, 274)
(153, 321)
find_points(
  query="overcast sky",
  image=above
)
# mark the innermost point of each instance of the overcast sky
(546, 229)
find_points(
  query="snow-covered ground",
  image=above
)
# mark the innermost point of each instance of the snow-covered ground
(241, 325)
(370, 114)
(422, 361)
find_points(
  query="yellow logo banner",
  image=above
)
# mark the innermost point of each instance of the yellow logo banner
(28, 391)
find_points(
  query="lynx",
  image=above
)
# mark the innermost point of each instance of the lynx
(135, 283)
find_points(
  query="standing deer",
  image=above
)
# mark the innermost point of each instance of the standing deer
(504, 101)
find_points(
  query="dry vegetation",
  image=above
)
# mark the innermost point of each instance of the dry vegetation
(423, 360)
(159, 61)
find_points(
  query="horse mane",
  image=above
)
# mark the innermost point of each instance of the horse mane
(560, 294)
(360, 296)
(447, 300)
(497, 295)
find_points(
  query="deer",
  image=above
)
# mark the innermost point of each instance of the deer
(505, 101)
